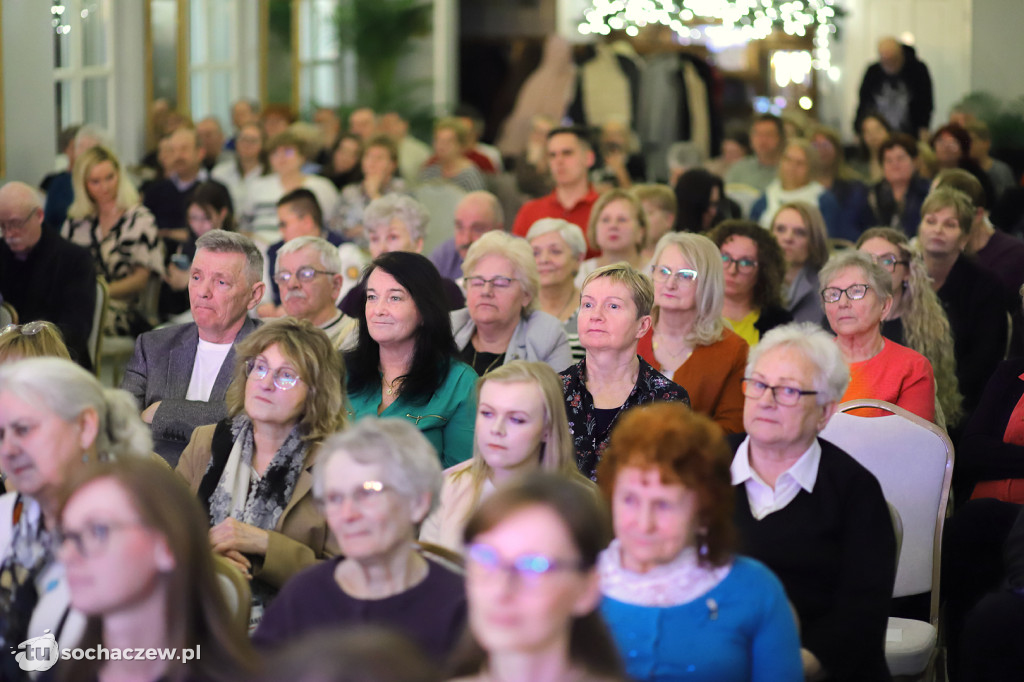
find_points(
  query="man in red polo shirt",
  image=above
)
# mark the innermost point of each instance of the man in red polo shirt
(570, 156)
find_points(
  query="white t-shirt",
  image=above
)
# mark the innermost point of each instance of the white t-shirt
(209, 358)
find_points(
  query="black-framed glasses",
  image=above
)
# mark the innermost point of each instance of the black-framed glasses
(15, 225)
(525, 570)
(285, 378)
(499, 282)
(744, 264)
(365, 495)
(783, 395)
(663, 273)
(27, 329)
(854, 292)
(93, 538)
(304, 275)
(889, 262)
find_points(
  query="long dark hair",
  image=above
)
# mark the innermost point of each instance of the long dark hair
(435, 345)
(693, 198)
(213, 196)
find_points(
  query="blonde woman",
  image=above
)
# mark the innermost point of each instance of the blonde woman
(520, 427)
(618, 228)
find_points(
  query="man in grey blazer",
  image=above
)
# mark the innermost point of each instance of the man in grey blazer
(180, 375)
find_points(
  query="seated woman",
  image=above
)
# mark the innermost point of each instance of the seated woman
(795, 491)
(615, 313)
(800, 231)
(375, 482)
(405, 363)
(895, 200)
(55, 417)
(536, 542)
(345, 167)
(449, 163)
(916, 319)
(872, 130)
(249, 162)
(701, 202)
(500, 322)
(671, 568)
(32, 340)
(558, 249)
(618, 227)
(798, 168)
(688, 340)
(108, 219)
(857, 294)
(379, 164)
(520, 426)
(252, 470)
(845, 184)
(133, 542)
(754, 267)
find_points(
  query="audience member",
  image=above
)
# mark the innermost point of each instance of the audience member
(404, 364)
(476, 214)
(276, 119)
(618, 228)
(211, 138)
(660, 206)
(167, 199)
(309, 274)
(800, 231)
(700, 201)
(1000, 174)
(767, 140)
(345, 165)
(615, 312)
(329, 127)
(412, 153)
(58, 187)
(37, 339)
(533, 176)
(671, 566)
(558, 249)
(30, 254)
(845, 184)
(379, 163)
(898, 87)
(243, 112)
(363, 123)
(895, 200)
(484, 156)
(619, 162)
(808, 510)
(450, 163)
(872, 131)
(688, 340)
(735, 146)
(248, 163)
(795, 182)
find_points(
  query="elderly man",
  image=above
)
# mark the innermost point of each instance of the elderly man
(309, 276)
(30, 257)
(767, 140)
(363, 122)
(476, 214)
(899, 87)
(179, 375)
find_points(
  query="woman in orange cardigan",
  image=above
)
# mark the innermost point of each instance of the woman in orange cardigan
(689, 341)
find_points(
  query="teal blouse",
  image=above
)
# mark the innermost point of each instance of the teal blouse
(447, 419)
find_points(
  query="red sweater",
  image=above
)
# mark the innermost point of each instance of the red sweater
(896, 375)
(549, 207)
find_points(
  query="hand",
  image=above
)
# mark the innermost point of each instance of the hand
(150, 412)
(240, 561)
(231, 534)
(176, 278)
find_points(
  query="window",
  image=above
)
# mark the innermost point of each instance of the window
(213, 58)
(319, 55)
(83, 63)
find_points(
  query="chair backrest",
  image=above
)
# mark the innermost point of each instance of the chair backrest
(440, 198)
(913, 461)
(8, 315)
(99, 318)
(237, 593)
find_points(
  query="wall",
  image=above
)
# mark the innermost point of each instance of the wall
(997, 52)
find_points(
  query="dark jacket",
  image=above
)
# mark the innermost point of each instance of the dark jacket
(884, 94)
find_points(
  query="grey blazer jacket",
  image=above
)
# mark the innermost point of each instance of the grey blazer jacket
(540, 337)
(161, 369)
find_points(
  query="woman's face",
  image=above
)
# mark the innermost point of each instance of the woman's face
(265, 401)
(873, 133)
(793, 236)
(395, 236)
(346, 156)
(513, 611)
(490, 304)
(113, 562)
(608, 317)
(511, 425)
(38, 448)
(948, 151)
(286, 160)
(202, 219)
(101, 183)
(882, 251)
(654, 521)
(898, 166)
(249, 143)
(826, 151)
(851, 318)
(940, 233)
(391, 314)
(377, 163)
(617, 227)
(446, 144)
(555, 261)
(794, 168)
(740, 280)
(671, 290)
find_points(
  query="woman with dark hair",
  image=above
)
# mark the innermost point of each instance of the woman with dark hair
(800, 231)
(133, 542)
(952, 145)
(895, 200)
(532, 584)
(405, 363)
(377, 177)
(345, 167)
(698, 193)
(873, 130)
(754, 267)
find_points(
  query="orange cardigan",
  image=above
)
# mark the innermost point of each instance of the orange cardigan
(897, 375)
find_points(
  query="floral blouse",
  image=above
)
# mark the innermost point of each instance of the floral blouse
(590, 440)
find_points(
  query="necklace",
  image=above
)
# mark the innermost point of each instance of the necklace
(394, 385)
(490, 366)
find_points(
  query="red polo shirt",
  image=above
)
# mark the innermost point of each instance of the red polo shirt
(549, 207)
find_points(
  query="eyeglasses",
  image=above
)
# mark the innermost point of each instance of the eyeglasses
(854, 292)
(663, 273)
(744, 264)
(91, 540)
(366, 495)
(889, 262)
(15, 225)
(304, 275)
(28, 329)
(284, 378)
(783, 395)
(499, 282)
(525, 570)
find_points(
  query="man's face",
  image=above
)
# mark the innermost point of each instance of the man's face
(361, 122)
(569, 159)
(327, 121)
(473, 218)
(210, 137)
(394, 126)
(220, 295)
(312, 300)
(293, 225)
(22, 227)
(890, 56)
(184, 153)
(765, 139)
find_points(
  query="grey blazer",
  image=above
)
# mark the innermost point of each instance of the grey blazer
(540, 337)
(161, 369)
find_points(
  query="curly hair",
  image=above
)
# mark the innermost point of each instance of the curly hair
(771, 263)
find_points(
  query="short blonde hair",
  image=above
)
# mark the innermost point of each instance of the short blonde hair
(640, 287)
(660, 195)
(706, 259)
(456, 126)
(616, 195)
(947, 197)
(83, 205)
(516, 251)
(47, 342)
(570, 232)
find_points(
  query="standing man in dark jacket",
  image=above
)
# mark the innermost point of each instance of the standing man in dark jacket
(899, 88)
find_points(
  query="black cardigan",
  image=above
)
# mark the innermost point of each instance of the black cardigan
(982, 455)
(771, 316)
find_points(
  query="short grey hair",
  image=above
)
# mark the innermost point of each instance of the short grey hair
(878, 278)
(570, 232)
(222, 241)
(412, 213)
(516, 251)
(407, 460)
(330, 259)
(831, 374)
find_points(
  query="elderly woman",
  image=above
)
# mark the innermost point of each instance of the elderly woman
(32, 340)
(976, 314)
(520, 426)
(532, 584)
(558, 249)
(379, 163)
(615, 313)
(252, 470)
(108, 219)
(405, 363)
(618, 226)
(808, 510)
(688, 340)
(857, 294)
(133, 542)
(375, 482)
(754, 267)
(449, 163)
(500, 322)
(396, 222)
(800, 231)
(798, 168)
(671, 565)
(895, 200)
(916, 318)
(55, 417)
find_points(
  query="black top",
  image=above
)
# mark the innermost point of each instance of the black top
(771, 316)
(982, 454)
(903, 98)
(481, 362)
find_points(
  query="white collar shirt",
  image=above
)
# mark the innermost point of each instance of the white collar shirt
(765, 500)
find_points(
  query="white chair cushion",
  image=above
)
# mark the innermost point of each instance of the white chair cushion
(909, 645)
